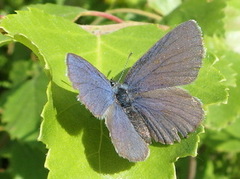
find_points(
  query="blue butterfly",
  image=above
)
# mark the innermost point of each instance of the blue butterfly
(147, 105)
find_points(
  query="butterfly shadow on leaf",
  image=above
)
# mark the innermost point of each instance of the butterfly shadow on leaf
(93, 134)
(70, 113)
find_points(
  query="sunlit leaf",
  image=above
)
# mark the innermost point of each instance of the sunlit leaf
(164, 6)
(209, 15)
(68, 12)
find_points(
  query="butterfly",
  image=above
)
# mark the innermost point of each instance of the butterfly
(147, 105)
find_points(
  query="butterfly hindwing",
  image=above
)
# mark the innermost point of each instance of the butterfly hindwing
(126, 140)
(169, 112)
(95, 91)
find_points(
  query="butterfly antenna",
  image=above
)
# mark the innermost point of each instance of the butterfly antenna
(124, 67)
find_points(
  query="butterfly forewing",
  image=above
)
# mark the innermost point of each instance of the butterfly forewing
(174, 60)
(95, 90)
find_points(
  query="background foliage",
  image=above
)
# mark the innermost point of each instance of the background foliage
(73, 144)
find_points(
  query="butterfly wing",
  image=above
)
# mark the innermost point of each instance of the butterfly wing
(95, 90)
(173, 60)
(125, 139)
(169, 112)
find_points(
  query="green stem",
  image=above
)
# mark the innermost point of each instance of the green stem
(135, 11)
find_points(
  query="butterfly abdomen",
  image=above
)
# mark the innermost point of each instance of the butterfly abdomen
(137, 120)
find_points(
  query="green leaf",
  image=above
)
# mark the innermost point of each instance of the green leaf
(232, 12)
(21, 159)
(233, 129)
(209, 79)
(4, 40)
(225, 58)
(221, 115)
(226, 140)
(164, 6)
(19, 71)
(26, 161)
(209, 15)
(23, 107)
(68, 12)
(210, 163)
(88, 147)
(3, 61)
(60, 38)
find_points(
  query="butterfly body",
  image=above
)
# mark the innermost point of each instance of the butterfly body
(148, 105)
(125, 100)
(122, 95)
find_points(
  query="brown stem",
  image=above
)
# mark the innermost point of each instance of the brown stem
(192, 168)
